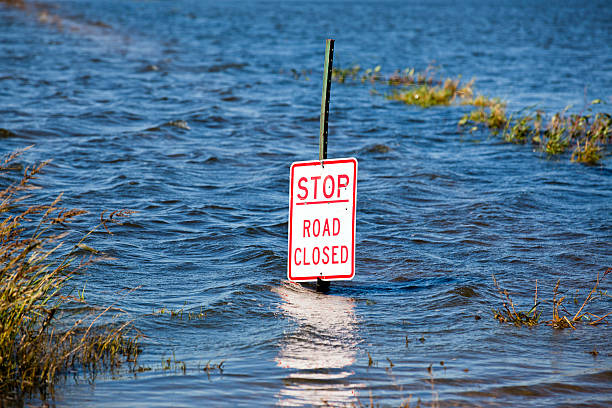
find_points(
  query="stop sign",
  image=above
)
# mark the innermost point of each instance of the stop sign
(322, 199)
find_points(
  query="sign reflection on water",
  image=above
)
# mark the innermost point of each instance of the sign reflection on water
(321, 347)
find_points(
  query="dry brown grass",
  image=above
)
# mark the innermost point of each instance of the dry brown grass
(44, 332)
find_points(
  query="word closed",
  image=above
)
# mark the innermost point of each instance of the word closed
(322, 199)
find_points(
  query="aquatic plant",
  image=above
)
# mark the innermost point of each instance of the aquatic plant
(179, 313)
(407, 76)
(208, 368)
(42, 332)
(491, 112)
(561, 318)
(508, 314)
(518, 129)
(587, 152)
(427, 95)
(585, 134)
(588, 133)
(342, 74)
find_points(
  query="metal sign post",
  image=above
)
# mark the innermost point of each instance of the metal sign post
(327, 77)
(322, 285)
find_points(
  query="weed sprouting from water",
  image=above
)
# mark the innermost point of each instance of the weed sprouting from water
(584, 134)
(587, 151)
(406, 77)
(180, 314)
(508, 313)
(208, 368)
(427, 96)
(370, 360)
(42, 336)
(560, 319)
(169, 363)
(587, 133)
(175, 365)
(490, 112)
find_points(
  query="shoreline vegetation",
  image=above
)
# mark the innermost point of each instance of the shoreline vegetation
(48, 330)
(586, 135)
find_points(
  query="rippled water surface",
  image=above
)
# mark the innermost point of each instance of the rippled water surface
(189, 113)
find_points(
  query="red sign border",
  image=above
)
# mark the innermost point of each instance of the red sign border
(318, 163)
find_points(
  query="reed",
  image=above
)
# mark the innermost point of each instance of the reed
(43, 332)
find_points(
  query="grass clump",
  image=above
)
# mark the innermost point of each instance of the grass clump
(561, 317)
(418, 88)
(43, 331)
(508, 313)
(427, 96)
(585, 134)
(407, 76)
(587, 152)
(491, 112)
(179, 314)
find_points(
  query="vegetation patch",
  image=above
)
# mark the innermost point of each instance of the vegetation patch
(47, 330)
(561, 318)
(405, 77)
(427, 96)
(585, 135)
(180, 314)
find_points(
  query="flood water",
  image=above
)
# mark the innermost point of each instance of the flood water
(189, 113)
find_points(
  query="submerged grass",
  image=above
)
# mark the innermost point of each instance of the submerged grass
(427, 96)
(584, 135)
(408, 76)
(180, 314)
(44, 332)
(561, 318)
(417, 88)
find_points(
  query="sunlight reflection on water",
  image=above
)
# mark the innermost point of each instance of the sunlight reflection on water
(319, 348)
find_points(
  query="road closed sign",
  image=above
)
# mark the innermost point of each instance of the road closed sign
(322, 199)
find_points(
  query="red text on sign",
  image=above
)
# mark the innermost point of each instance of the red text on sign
(336, 254)
(311, 187)
(321, 228)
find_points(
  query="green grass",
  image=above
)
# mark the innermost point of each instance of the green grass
(407, 76)
(427, 96)
(42, 333)
(584, 134)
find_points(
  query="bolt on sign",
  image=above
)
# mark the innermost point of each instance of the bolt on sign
(322, 199)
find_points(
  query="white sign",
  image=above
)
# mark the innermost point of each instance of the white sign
(322, 199)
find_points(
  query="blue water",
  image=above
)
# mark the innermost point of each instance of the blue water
(102, 87)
